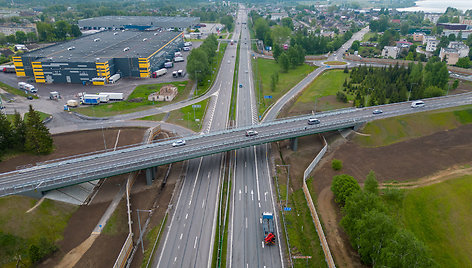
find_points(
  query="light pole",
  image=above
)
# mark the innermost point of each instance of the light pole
(409, 93)
(288, 180)
(139, 224)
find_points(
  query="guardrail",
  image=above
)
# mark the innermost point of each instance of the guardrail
(311, 205)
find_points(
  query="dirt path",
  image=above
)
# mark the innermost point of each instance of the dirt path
(343, 253)
(73, 256)
(441, 176)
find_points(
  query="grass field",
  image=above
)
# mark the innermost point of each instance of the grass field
(264, 69)
(127, 106)
(323, 89)
(13, 90)
(20, 230)
(335, 62)
(42, 116)
(189, 117)
(391, 130)
(367, 36)
(439, 215)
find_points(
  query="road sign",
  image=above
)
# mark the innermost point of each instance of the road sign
(327, 66)
(196, 106)
(287, 208)
(267, 97)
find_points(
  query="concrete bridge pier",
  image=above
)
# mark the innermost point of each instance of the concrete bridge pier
(34, 193)
(150, 175)
(294, 144)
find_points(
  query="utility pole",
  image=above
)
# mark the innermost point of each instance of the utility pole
(139, 224)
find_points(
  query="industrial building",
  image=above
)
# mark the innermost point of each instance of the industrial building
(138, 22)
(96, 57)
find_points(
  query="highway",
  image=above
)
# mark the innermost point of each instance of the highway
(189, 238)
(251, 191)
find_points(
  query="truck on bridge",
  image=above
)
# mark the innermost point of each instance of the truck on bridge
(268, 227)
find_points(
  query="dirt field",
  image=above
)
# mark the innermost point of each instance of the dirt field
(402, 162)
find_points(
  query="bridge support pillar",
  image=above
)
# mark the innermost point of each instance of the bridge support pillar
(357, 127)
(294, 144)
(150, 173)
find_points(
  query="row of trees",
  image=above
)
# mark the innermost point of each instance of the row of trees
(372, 232)
(47, 32)
(376, 86)
(200, 59)
(27, 134)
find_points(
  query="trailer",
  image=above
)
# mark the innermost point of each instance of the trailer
(90, 99)
(8, 69)
(159, 72)
(114, 78)
(54, 95)
(113, 96)
(268, 227)
(104, 97)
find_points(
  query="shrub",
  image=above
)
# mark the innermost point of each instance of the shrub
(340, 96)
(337, 164)
(343, 186)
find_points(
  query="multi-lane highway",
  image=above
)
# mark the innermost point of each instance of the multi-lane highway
(251, 192)
(190, 235)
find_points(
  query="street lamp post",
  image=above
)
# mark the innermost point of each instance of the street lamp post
(288, 180)
(139, 224)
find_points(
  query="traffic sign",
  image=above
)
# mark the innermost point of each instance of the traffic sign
(196, 106)
(267, 97)
(287, 208)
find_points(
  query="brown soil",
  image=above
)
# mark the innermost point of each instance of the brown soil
(430, 158)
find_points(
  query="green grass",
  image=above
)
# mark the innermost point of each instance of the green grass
(156, 117)
(42, 116)
(185, 116)
(234, 90)
(335, 62)
(118, 221)
(367, 36)
(396, 129)
(264, 68)
(47, 222)
(13, 90)
(141, 91)
(151, 238)
(439, 215)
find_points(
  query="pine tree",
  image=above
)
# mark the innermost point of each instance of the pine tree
(19, 131)
(5, 133)
(38, 138)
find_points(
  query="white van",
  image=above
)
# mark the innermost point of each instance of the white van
(417, 104)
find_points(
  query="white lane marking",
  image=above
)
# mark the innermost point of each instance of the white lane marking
(252, 195)
(239, 194)
(257, 176)
(259, 204)
(186, 216)
(265, 196)
(232, 212)
(262, 242)
(195, 183)
(203, 203)
(178, 247)
(245, 189)
(175, 259)
(245, 164)
(246, 222)
(181, 234)
(195, 243)
(260, 220)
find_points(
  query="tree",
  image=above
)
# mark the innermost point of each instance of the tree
(197, 64)
(340, 96)
(31, 37)
(11, 39)
(61, 28)
(228, 22)
(5, 133)
(455, 84)
(261, 27)
(343, 186)
(337, 164)
(287, 22)
(75, 31)
(405, 250)
(404, 27)
(355, 45)
(464, 62)
(19, 131)
(284, 62)
(273, 81)
(371, 184)
(20, 37)
(38, 138)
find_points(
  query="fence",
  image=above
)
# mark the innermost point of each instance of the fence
(314, 214)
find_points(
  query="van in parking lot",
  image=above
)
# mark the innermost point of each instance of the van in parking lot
(174, 74)
(417, 104)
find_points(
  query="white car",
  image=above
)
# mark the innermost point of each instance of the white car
(250, 133)
(178, 143)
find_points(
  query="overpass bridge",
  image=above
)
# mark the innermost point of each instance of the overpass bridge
(65, 172)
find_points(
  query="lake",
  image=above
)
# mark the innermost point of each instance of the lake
(438, 6)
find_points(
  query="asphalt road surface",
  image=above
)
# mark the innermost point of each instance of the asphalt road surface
(251, 191)
(190, 235)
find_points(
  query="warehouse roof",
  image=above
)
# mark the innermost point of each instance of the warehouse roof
(152, 21)
(106, 45)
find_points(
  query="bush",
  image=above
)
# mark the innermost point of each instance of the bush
(340, 96)
(343, 186)
(337, 164)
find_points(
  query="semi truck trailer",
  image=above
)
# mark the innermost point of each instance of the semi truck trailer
(159, 72)
(268, 227)
(112, 96)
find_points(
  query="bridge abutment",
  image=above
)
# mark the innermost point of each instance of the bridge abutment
(33, 193)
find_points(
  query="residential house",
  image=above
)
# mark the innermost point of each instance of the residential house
(450, 55)
(418, 37)
(390, 52)
(431, 45)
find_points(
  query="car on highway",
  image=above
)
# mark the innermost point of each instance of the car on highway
(377, 111)
(313, 121)
(178, 143)
(250, 133)
(417, 104)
